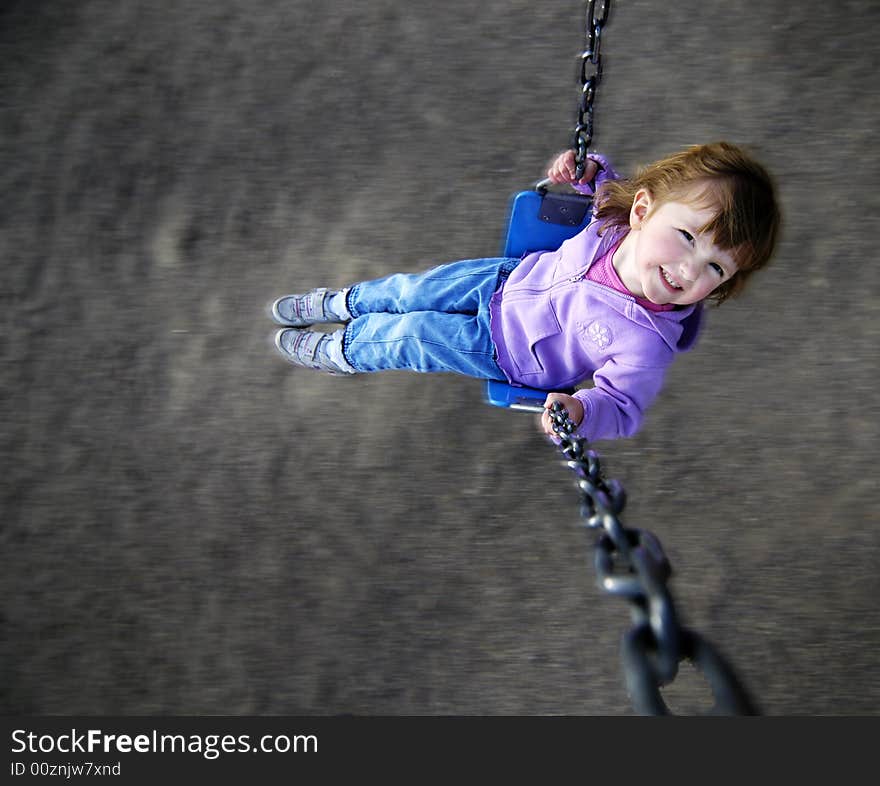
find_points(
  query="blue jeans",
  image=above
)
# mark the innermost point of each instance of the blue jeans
(432, 321)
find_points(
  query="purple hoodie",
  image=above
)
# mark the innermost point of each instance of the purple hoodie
(554, 329)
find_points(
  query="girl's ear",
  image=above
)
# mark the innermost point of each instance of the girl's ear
(641, 207)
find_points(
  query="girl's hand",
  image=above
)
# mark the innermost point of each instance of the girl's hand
(573, 407)
(563, 169)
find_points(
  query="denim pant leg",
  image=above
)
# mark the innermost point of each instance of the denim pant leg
(432, 321)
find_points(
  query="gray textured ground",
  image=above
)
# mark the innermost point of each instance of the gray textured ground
(190, 526)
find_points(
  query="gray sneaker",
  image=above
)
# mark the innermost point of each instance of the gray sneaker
(304, 310)
(309, 348)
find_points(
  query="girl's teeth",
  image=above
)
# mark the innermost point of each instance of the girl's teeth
(669, 280)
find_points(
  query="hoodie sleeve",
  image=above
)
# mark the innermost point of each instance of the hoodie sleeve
(605, 172)
(616, 405)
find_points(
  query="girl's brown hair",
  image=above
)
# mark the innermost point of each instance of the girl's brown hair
(719, 175)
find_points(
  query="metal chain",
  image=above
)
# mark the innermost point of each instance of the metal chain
(630, 563)
(590, 76)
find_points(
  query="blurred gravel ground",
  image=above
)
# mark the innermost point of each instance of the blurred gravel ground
(190, 526)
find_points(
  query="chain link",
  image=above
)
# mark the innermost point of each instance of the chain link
(631, 563)
(590, 76)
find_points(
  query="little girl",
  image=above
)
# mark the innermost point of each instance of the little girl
(613, 305)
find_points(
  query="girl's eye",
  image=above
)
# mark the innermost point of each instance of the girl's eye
(717, 268)
(687, 236)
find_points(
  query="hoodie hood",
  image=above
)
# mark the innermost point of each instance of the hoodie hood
(679, 328)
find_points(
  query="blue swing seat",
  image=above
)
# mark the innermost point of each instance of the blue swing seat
(540, 220)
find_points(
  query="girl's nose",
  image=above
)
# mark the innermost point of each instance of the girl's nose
(688, 270)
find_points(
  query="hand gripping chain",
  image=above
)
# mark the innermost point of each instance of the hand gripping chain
(631, 563)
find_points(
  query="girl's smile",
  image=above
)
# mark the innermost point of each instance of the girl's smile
(668, 280)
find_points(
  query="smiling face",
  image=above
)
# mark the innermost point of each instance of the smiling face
(666, 258)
